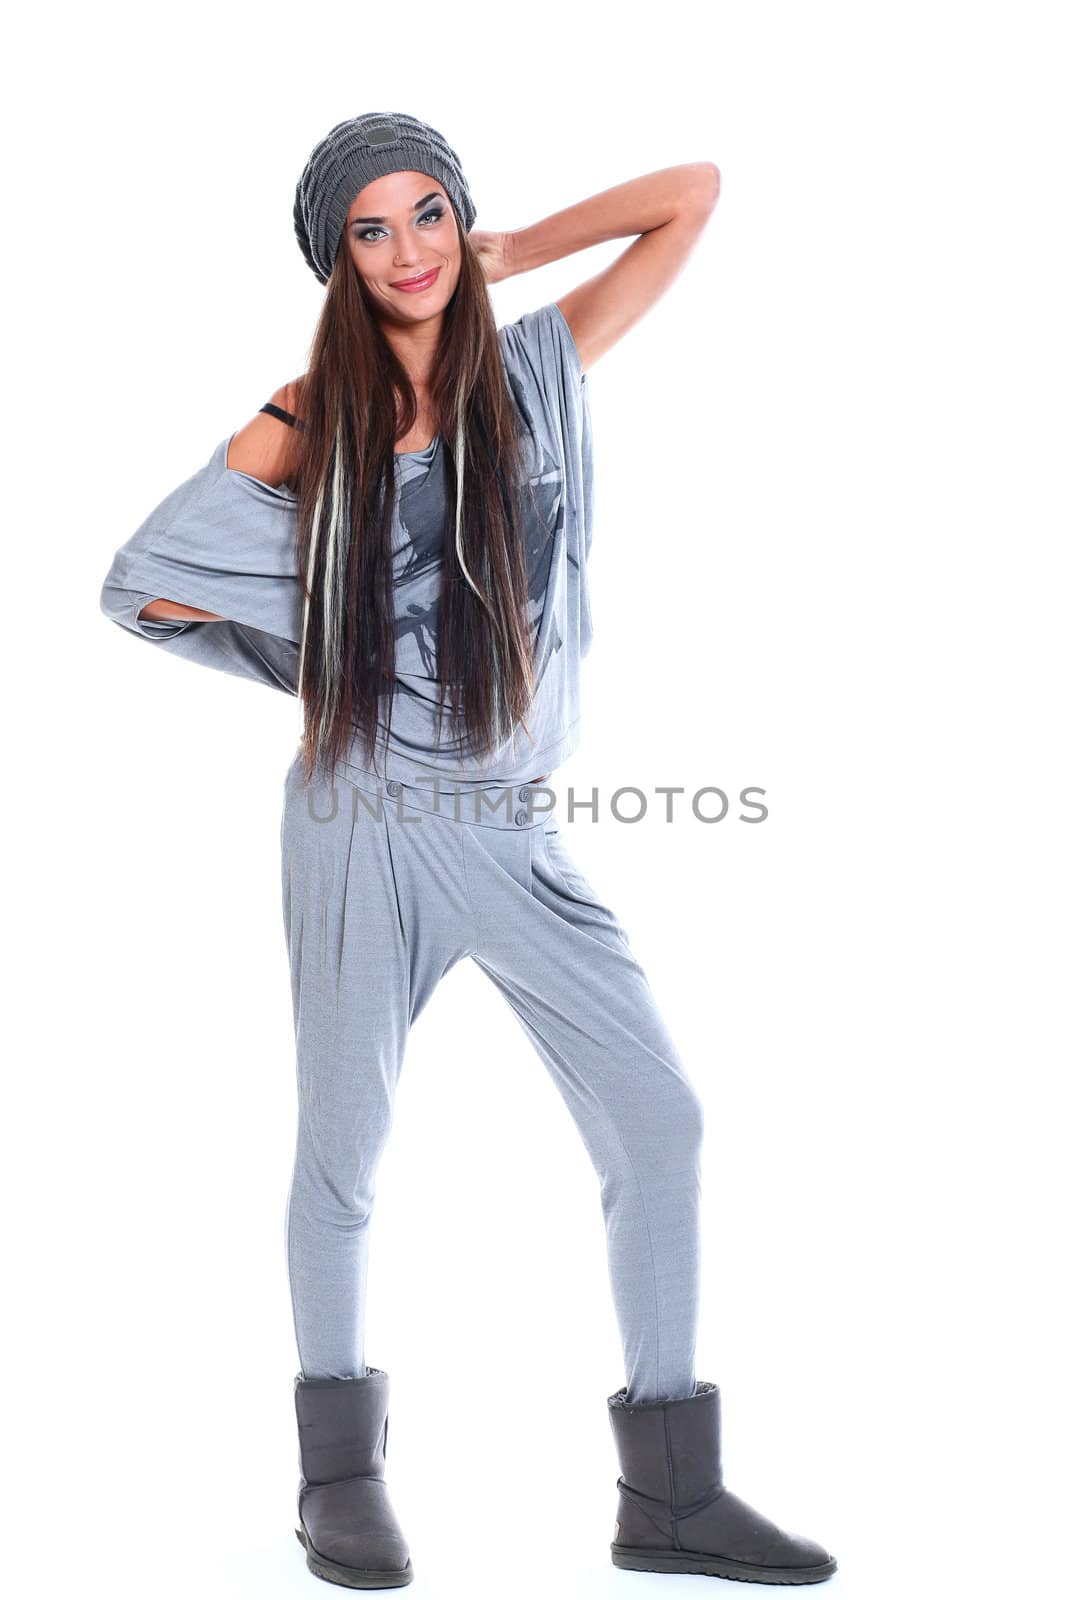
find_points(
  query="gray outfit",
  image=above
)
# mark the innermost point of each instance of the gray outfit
(386, 885)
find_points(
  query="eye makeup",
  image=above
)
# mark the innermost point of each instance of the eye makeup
(435, 213)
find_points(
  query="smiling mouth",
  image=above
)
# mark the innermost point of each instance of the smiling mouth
(421, 282)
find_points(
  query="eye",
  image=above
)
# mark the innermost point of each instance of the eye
(434, 214)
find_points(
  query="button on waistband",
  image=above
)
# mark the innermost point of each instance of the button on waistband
(488, 806)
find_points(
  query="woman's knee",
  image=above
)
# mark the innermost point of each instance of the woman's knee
(336, 1166)
(687, 1117)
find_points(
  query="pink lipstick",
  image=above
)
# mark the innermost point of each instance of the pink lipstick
(415, 285)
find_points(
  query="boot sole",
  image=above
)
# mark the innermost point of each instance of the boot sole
(635, 1560)
(352, 1577)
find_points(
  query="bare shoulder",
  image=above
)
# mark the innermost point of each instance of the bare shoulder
(266, 447)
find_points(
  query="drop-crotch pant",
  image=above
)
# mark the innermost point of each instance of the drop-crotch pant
(385, 888)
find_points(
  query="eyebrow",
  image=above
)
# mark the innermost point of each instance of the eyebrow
(415, 204)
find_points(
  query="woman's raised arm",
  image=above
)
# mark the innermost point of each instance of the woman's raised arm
(669, 209)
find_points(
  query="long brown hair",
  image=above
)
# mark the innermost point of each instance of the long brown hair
(344, 478)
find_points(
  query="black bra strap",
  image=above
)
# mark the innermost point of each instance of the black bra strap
(284, 416)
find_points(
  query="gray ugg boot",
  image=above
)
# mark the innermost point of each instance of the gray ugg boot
(675, 1514)
(347, 1525)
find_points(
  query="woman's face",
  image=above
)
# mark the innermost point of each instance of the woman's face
(400, 227)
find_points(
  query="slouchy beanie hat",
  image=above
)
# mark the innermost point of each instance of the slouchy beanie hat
(352, 155)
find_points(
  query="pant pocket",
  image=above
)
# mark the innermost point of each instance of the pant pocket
(566, 867)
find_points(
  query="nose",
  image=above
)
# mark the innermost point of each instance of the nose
(408, 249)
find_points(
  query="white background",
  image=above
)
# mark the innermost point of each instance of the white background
(826, 561)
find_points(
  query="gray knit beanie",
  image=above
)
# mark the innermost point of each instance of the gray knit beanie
(352, 155)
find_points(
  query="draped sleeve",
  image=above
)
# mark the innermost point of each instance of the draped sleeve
(225, 542)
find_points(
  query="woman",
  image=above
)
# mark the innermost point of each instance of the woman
(400, 538)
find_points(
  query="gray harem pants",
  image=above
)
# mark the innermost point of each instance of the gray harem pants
(385, 888)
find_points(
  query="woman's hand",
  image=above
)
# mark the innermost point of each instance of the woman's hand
(494, 253)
